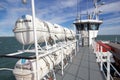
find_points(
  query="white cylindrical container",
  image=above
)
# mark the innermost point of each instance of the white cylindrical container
(24, 31)
(25, 69)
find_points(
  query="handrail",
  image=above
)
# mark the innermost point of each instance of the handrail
(100, 48)
(6, 69)
(18, 57)
(104, 71)
(56, 49)
(105, 47)
(116, 55)
(115, 69)
(33, 57)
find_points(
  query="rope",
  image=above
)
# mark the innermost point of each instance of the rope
(47, 63)
(51, 60)
(51, 41)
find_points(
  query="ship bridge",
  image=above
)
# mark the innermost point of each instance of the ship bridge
(86, 30)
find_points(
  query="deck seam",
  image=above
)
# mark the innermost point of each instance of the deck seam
(89, 64)
(79, 65)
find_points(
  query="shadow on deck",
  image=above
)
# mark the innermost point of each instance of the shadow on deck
(82, 67)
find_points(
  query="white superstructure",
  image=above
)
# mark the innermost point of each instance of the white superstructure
(87, 29)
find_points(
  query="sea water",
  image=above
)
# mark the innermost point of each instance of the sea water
(10, 45)
(109, 38)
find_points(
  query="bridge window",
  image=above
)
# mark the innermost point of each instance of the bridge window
(85, 27)
(27, 21)
(79, 27)
(82, 27)
(93, 26)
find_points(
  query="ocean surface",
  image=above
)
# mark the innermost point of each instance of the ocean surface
(10, 45)
(109, 38)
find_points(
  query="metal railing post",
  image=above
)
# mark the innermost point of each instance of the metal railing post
(62, 57)
(95, 47)
(101, 57)
(98, 53)
(71, 55)
(108, 66)
(35, 38)
(75, 47)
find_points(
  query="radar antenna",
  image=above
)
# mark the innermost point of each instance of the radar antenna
(78, 15)
(97, 4)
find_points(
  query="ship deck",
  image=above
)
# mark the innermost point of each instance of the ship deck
(82, 67)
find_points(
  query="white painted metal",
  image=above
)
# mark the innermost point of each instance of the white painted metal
(30, 30)
(109, 60)
(62, 64)
(87, 32)
(88, 21)
(75, 40)
(101, 62)
(108, 67)
(46, 62)
(35, 40)
(16, 53)
(92, 34)
(6, 69)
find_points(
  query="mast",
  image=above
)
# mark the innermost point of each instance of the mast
(87, 29)
(96, 12)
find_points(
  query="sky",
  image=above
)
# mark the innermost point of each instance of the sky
(62, 12)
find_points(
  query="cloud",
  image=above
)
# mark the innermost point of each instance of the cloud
(111, 7)
(107, 8)
(55, 11)
(12, 11)
(109, 30)
(113, 20)
(58, 12)
(67, 3)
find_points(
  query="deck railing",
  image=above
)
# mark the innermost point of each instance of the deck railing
(105, 58)
(60, 47)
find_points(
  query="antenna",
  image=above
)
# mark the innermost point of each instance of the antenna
(78, 17)
(96, 12)
(87, 10)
